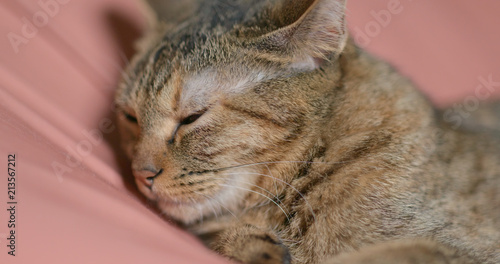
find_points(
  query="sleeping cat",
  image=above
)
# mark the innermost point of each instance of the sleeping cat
(263, 129)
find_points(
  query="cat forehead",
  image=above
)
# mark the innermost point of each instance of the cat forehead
(211, 84)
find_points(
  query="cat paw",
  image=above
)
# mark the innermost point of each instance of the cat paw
(252, 246)
(264, 250)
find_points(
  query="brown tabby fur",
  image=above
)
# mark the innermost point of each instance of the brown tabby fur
(303, 148)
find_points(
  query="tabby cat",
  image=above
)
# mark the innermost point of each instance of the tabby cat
(262, 128)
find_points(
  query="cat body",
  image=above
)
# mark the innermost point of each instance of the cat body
(262, 128)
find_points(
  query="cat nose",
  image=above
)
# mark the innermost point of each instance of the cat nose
(146, 176)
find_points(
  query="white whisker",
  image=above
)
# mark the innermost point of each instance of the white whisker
(254, 185)
(251, 184)
(210, 202)
(288, 184)
(283, 161)
(219, 203)
(245, 189)
(271, 174)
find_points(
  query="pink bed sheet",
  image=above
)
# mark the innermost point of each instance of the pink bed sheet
(60, 61)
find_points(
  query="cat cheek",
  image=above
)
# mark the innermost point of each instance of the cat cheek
(128, 140)
(129, 150)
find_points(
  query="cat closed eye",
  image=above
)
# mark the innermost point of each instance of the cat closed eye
(186, 121)
(130, 117)
(191, 118)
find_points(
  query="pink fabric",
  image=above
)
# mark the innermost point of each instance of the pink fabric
(445, 46)
(76, 202)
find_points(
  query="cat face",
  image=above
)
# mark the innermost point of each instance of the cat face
(193, 140)
(205, 113)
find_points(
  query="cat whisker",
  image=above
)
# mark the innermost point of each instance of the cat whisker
(279, 162)
(287, 161)
(246, 189)
(199, 210)
(253, 185)
(274, 182)
(210, 199)
(288, 184)
(211, 205)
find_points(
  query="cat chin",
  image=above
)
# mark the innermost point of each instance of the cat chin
(190, 212)
(181, 212)
(226, 201)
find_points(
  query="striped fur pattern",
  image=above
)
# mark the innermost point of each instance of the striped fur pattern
(262, 128)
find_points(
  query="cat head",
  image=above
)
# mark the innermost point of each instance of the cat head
(214, 99)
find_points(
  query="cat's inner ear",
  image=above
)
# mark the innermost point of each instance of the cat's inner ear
(309, 32)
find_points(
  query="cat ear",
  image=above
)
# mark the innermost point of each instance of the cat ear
(170, 11)
(309, 31)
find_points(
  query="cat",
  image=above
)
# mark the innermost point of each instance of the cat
(262, 128)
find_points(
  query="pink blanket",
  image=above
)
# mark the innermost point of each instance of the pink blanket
(60, 61)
